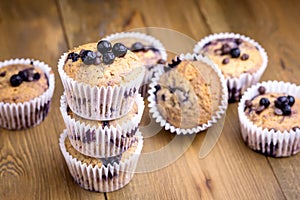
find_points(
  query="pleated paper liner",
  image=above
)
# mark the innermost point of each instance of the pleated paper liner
(100, 103)
(107, 177)
(268, 141)
(93, 139)
(30, 113)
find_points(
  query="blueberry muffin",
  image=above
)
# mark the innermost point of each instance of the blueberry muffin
(241, 60)
(101, 175)
(26, 88)
(102, 138)
(270, 118)
(188, 94)
(101, 79)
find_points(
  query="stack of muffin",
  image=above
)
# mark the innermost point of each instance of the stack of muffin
(102, 109)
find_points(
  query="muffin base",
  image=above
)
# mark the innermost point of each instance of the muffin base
(105, 178)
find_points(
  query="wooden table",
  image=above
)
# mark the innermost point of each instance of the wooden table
(31, 164)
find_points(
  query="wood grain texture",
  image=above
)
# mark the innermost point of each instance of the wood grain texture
(31, 163)
(271, 23)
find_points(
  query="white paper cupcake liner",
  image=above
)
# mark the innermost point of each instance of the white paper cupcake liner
(237, 86)
(30, 113)
(98, 141)
(149, 40)
(100, 103)
(105, 178)
(215, 117)
(267, 141)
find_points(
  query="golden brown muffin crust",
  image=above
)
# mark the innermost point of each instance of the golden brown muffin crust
(235, 66)
(26, 90)
(102, 74)
(268, 119)
(187, 97)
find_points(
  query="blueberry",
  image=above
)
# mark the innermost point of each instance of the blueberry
(97, 61)
(119, 50)
(2, 74)
(157, 87)
(245, 56)
(225, 49)
(108, 58)
(225, 61)
(137, 46)
(74, 56)
(15, 80)
(24, 75)
(281, 101)
(103, 46)
(264, 102)
(174, 62)
(105, 123)
(260, 109)
(238, 41)
(36, 76)
(248, 103)
(161, 61)
(262, 90)
(286, 110)
(291, 100)
(278, 104)
(235, 52)
(88, 57)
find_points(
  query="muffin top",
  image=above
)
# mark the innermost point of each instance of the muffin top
(233, 56)
(100, 161)
(188, 93)
(102, 64)
(21, 82)
(148, 53)
(274, 111)
(132, 113)
(149, 56)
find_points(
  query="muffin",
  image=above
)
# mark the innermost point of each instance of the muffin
(269, 114)
(149, 49)
(101, 175)
(101, 80)
(241, 60)
(102, 138)
(26, 88)
(189, 96)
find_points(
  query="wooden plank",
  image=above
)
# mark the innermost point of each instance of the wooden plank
(107, 17)
(31, 164)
